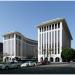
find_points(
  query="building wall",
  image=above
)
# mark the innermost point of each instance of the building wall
(1, 51)
(66, 41)
(18, 46)
(52, 37)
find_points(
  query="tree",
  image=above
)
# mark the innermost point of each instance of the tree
(67, 54)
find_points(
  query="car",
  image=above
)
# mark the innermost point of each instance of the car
(9, 65)
(44, 62)
(31, 63)
(25, 64)
(28, 63)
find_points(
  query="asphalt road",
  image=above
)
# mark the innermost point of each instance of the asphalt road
(44, 69)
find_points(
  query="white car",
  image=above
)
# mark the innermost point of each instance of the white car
(9, 65)
(31, 63)
(28, 63)
(25, 64)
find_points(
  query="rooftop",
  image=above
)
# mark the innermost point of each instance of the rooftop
(48, 22)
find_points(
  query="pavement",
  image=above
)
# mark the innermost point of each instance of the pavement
(65, 64)
(52, 68)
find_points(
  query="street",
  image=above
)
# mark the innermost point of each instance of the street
(43, 69)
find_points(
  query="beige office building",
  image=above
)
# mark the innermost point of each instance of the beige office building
(53, 35)
(16, 45)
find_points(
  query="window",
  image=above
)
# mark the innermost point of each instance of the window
(18, 37)
(59, 25)
(55, 26)
(52, 26)
(52, 42)
(42, 43)
(47, 27)
(58, 41)
(44, 28)
(12, 36)
(40, 29)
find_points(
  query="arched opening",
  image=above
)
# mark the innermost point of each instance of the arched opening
(57, 59)
(46, 59)
(51, 59)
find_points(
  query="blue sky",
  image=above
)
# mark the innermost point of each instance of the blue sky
(26, 15)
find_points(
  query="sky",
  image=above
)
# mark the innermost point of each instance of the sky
(24, 16)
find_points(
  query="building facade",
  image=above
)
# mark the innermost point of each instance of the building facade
(53, 35)
(1, 51)
(16, 45)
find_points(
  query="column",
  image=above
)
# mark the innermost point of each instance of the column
(38, 45)
(57, 40)
(51, 39)
(43, 44)
(60, 40)
(41, 40)
(46, 41)
(54, 39)
(48, 44)
(21, 47)
(14, 45)
(3, 48)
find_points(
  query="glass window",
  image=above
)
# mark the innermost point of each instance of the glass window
(47, 43)
(18, 37)
(55, 26)
(52, 26)
(47, 27)
(44, 28)
(40, 29)
(50, 39)
(42, 43)
(58, 41)
(12, 36)
(59, 25)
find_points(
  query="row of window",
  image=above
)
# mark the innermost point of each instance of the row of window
(11, 36)
(19, 37)
(8, 47)
(43, 43)
(54, 26)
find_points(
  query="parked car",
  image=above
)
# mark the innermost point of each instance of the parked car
(25, 64)
(9, 65)
(28, 63)
(44, 62)
(31, 63)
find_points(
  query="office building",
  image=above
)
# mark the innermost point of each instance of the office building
(16, 45)
(53, 35)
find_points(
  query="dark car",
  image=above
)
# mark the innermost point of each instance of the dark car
(44, 62)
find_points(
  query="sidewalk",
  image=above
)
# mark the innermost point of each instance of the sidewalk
(58, 65)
